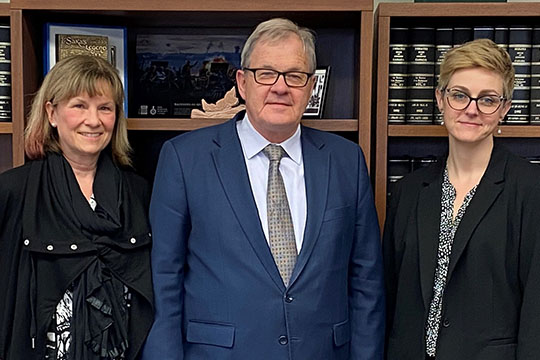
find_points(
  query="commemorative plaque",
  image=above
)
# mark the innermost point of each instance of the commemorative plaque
(72, 44)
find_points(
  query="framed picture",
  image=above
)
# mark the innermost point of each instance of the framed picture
(175, 72)
(315, 105)
(108, 42)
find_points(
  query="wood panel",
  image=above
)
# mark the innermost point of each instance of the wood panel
(196, 5)
(4, 9)
(458, 10)
(365, 84)
(17, 92)
(193, 124)
(6, 128)
(381, 141)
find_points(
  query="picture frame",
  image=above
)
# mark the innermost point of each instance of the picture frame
(116, 43)
(174, 71)
(315, 105)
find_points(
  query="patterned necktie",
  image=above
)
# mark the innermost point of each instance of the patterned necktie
(280, 226)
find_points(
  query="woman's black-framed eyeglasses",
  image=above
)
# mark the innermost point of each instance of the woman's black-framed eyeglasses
(294, 79)
(486, 104)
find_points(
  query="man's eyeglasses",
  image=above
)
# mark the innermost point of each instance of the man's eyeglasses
(294, 79)
(486, 104)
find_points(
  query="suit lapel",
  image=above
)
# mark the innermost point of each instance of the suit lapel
(232, 172)
(428, 212)
(487, 192)
(316, 175)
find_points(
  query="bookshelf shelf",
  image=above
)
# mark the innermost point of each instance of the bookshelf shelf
(399, 139)
(193, 124)
(529, 131)
(470, 9)
(195, 5)
(4, 9)
(6, 128)
(348, 105)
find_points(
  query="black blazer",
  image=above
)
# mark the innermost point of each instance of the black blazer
(491, 305)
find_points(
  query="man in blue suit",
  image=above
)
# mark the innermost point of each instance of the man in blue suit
(231, 280)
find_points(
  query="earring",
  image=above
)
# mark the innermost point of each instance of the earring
(499, 131)
(53, 125)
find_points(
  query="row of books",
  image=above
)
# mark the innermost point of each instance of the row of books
(5, 73)
(417, 52)
(401, 166)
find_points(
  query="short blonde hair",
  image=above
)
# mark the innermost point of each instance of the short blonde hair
(279, 29)
(482, 53)
(72, 77)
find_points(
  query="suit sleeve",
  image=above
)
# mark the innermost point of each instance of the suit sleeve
(529, 272)
(366, 284)
(171, 225)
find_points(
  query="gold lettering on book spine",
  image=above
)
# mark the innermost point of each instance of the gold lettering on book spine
(69, 45)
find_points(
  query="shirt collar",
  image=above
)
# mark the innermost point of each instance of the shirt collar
(253, 142)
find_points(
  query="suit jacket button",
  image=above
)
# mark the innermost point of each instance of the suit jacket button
(283, 340)
(446, 323)
(289, 299)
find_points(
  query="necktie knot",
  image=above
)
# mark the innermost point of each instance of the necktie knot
(274, 152)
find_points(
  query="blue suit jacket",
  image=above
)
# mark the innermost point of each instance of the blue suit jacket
(218, 292)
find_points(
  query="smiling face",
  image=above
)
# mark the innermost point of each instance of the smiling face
(275, 110)
(85, 125)
(470, 125)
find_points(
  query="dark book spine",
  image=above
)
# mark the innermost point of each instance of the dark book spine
(484, 32)
(5, 73)
(535, 77)
(397, 78)
(500, 36)
(443, 43)
(519, 48)
(461, 35)
(421, 76)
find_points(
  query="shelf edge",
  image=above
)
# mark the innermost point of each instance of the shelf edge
(193, 124)
(6, 128)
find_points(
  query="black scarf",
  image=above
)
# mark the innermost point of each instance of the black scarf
(72, 245)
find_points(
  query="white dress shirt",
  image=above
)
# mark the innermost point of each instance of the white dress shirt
(291, 168)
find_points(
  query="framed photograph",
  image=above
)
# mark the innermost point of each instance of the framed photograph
(315, 105)
(175, 72)
(108, 42)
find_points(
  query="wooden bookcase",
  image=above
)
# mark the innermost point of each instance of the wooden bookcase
(395, 138)
(350, 85)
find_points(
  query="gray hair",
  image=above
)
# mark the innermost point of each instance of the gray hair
(278, 29)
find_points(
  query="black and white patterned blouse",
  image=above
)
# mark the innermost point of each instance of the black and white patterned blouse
(448, 228)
